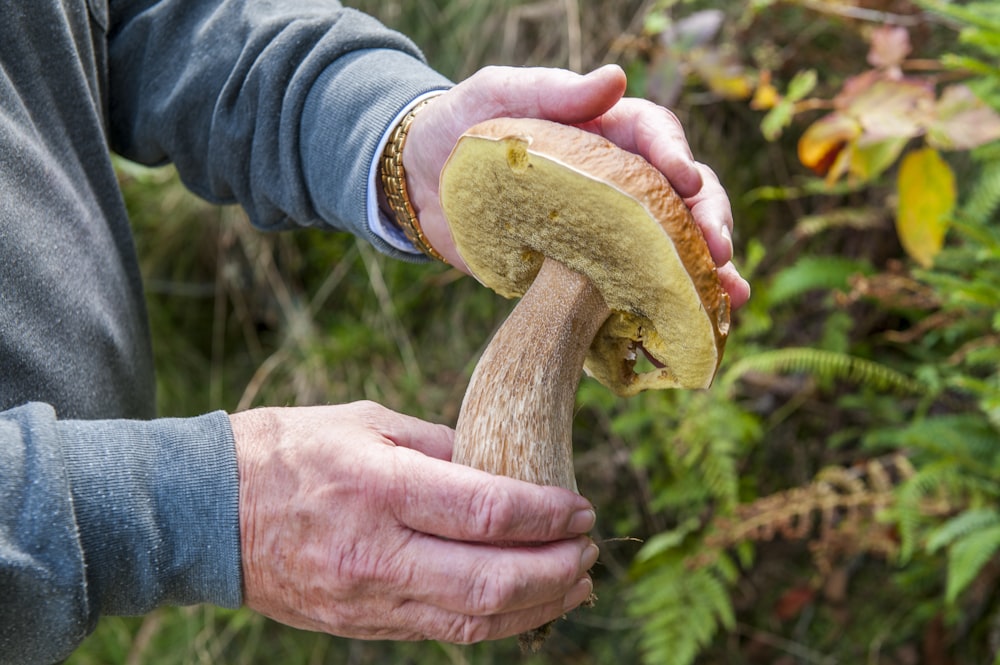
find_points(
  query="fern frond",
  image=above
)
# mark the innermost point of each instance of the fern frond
(814, 272)
(681, 609)
(966, 440)
(939, 488)
(984, 15)
(824, 365)
(984, 196)
(707, 443)
(859, 219)
(921, 494)
(961, 526)
(967, 557)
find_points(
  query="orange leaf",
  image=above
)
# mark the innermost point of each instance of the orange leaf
(926, 188)
(823, 141)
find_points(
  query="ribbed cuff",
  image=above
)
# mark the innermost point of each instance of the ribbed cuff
(157, 506)
(338, 150)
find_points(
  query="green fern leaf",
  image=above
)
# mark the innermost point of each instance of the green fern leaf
(984, 197)
(667, 540)
(681, 610)
(824, 365)
(983, 15)
(961, 526)
(966, 441)
(967, 557)
(812, 273)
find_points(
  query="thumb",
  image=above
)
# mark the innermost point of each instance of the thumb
(558, 95)
(550, 94)
(495, 92)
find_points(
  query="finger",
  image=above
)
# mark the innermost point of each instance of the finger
(461, 503)
(714, 215)
(551, 94)
(484, 580)
(649, 130)
(431, 439)
(737, 287)
(430, 622)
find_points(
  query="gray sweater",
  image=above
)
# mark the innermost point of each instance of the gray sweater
(275, 104)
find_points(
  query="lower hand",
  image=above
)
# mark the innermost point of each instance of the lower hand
(354, 523)
(594, 102)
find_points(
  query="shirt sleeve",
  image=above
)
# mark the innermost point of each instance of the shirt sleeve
(110, 517)
(279, 106)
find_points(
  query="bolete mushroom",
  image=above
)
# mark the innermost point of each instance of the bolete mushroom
(609, 264)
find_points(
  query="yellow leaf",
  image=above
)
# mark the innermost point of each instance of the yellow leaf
(766, 96)
(926, 188)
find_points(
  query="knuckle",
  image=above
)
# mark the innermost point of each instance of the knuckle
(488, 595)
(492, 513)
(367, 409)
(470, 630)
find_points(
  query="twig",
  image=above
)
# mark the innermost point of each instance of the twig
(396, 329)
(574, 40)
(862, 14)
(795, 649)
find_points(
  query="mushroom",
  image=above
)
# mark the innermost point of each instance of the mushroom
(609, 264)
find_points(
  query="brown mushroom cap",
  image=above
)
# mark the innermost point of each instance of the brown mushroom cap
(517, 190)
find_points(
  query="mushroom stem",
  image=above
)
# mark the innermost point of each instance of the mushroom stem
(517, 415)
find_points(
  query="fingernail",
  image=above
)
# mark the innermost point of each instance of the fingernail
(582, 521)
(728, 236)
(580, 592)
(589, 557)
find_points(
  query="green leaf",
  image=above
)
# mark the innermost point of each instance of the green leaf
(926, 188)
(656, 23)
(870, 159)
(814, 273)
(667, 540)
(961, 526)
(775, 120)
(967, 558)
(801, 85)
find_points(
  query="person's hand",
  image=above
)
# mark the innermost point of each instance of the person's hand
(594, 102)
(354, 523)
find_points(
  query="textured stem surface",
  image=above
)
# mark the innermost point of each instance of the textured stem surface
(517, 415)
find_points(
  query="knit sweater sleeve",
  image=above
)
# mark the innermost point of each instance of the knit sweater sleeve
(278, 106)
(110, 517)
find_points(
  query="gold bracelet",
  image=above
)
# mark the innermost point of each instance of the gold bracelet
(394, 185)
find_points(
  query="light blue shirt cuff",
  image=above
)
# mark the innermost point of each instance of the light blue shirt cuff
(379, 223)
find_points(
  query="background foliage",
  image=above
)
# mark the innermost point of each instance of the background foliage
(833, 498)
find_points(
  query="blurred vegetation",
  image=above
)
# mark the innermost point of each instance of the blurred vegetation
(833, 498)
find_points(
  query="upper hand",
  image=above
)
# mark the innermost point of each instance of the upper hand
(352, 522)
(594, 102)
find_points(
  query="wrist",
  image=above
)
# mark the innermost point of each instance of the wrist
(394, 196)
